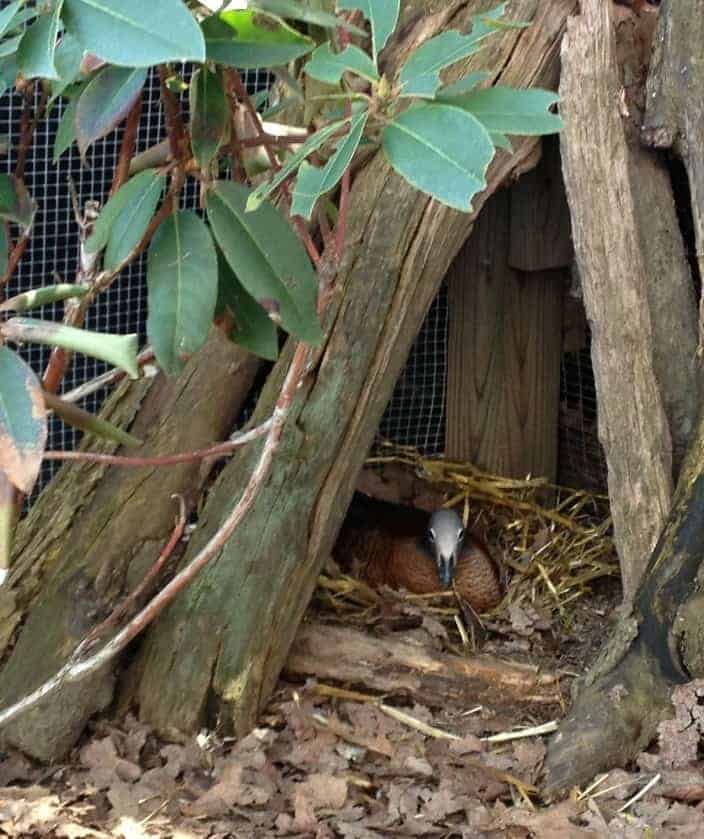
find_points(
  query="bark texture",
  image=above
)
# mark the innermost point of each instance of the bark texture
(400, 666)
(616, 270)
(215, 654)
(674, 116)
(659, 644)
(96, 530)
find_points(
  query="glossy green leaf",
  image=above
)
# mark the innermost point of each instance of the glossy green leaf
(209, 116)
(420, 75)
(312, 182)
(35, 54)
(253, 329)
(23, 425)
(134, 33)
(18, 23)
(500, 141)
(66, 132)
(461, 86)
(7, 15)
(105, 102)
(67, 59)
(10, 46)
(182, 283)
(510, 111)
(382, 15)
(268, 259)
(86, 421)
(441, 150)
(15, 202)
(42, 296)
(313, 143)
(125, 218)
(328, 66)
(291, 10)
(247, 40)
(118, 350)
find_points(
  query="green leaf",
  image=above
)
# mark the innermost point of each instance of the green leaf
(42, 296)
(86, 421)
(510, 111)
(67, 59)
(253, 329)
(441, 150)
(35, 54)
(105, 102)
(248, 40)
(125, 218)
(500, 141)
(118, 350)
(134, 33)
(267, 258)
(15, 202)
(7, 15)
(420, 75)
(314, 142)
(313, 182)
(295, 11)
(66, 132)
(23, 425)
(209, 116)
(17, 24)
(461, 86)
(383, 16)
(328, 66)
(9, 47)
(182, 283)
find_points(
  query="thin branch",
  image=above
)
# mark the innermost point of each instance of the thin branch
(16, 254)
(110, 378)
(129, 141)
(122, 608)
(219, 450)
(178, 139)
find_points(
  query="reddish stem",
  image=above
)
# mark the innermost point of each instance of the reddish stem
(129, 141)
(218, 450)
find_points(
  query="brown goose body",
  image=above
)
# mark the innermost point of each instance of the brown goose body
(404, 562)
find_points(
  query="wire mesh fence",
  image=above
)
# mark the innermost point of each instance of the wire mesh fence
(415, 415)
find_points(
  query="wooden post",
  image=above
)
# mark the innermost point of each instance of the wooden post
(505, 296)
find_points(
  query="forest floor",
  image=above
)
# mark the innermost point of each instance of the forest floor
(342, 766)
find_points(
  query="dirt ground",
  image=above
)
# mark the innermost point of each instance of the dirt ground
(351, 766)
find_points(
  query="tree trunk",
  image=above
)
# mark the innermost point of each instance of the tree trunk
(659, 643)
(214, 656)
(643, 329)
(95, 531)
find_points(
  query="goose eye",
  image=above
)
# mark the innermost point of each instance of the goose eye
(431, 534)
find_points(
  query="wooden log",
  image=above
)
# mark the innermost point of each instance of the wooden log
(402, 667)
(216, 653)
(674, 116)
(540, 237)
(503, 359)
(613, 268)
(95, 531)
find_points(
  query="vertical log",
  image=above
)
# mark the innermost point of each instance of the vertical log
(633, 426)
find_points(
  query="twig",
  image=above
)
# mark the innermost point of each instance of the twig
(28, 126)
(129, 141)
(111, 377)
(17, 253)
(178, 142)
(168, 549)
(220, 450)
